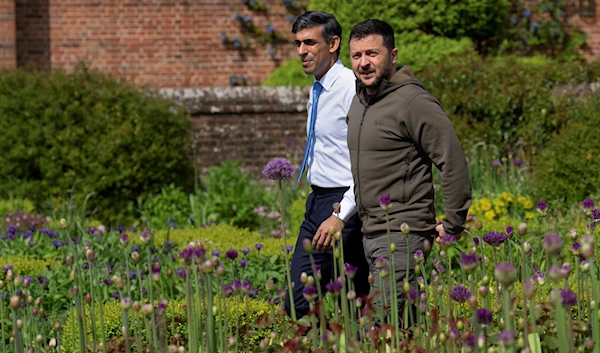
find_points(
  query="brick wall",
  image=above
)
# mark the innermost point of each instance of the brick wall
(161, 43)
(256, 124)
(8, 59)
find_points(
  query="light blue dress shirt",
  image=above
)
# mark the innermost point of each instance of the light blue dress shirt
(329, 164)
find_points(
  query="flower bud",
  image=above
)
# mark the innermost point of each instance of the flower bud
(90, 255)
(351, 295)
(147, 309)
(392, 248)
(38, 338)
(307, 244)
(406, 287)
(69, 260)
(88, 298)
(136, 305)
(15, 301)
(17, 281)
(522, 228)
(404, 228)
(135, 256)
(303, 277)
(19, 323)
(62, 223)
(52, 342)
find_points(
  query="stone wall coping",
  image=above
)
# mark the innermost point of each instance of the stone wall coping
(239, 100)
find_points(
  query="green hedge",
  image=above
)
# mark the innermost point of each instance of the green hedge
(239, 311)
(25, 266)
(224, 237)
(567, 171)
(85, 132)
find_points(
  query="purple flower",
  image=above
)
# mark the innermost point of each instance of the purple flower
(507, 338)
(509, 231)
(542, 206)
(419, 256)
(278, 169)
(484, 317)
(349, 270)
(57, 244)
(494, 238)
(469, 261)
(460, 294)
(124, 239)
(237, 285)
(505, 273)
(310, 293)
(180, 272)
(595, 215)
(227, 290)
(553, 244)
(588, 203)
(518, 162)
(447, 240)
(476, 241)
(231, 254)
(243, 262)
(381, 262)
(289, 249)
(107, 282)
(258, 246)
(495, 164)
(385, 201)
(334, 288)
(246, 287)
(575, 248)
(568, 298)
(216, 253)
(246, 251)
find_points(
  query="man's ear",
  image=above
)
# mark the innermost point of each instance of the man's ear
(394, 55)
(334, 44)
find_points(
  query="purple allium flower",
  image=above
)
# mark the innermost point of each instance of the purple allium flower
(553, 244)
(243, 263)
(460, 294)
(215, 253)
(57, 244)
(107, 282)
(135, 248)
(289, 249)
(509, 231)
(419, 256)
(116, 295)
(251, 293)
(494, 238)
(476, 241)
(246, 251)
(575, 248)
(334, 288)
(7, 267)
(237, 285)
(484, 317)
(495, 164)
(385, 201)
(227, 289)
(542, 206)
(349, 270)
(246, 287)
(588, 204)
(568, 298)
(469, 261)
(518, 162)
(554, 273)
(505, 273)
(310, 293)
(507, 338)
(124, 239)
(595, 215)
(381, 262)
(146, 237)
(447, 240)
(43, 281)
(413, 293)
(565, 270)
(231, 254)
(278, 169)
(180, 272)
(258, 246)
(85, 266)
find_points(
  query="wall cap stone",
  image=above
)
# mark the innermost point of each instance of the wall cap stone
(239, 100)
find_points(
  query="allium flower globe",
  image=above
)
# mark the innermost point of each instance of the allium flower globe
(278, 169)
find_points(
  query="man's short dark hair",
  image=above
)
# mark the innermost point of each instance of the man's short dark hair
(331, 27)
(374, 27)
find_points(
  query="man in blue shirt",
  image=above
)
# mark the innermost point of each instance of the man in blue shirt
(327, 159)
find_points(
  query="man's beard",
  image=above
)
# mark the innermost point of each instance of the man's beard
(379, 78)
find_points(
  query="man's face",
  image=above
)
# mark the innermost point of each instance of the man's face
(372, 61)
(317, 56)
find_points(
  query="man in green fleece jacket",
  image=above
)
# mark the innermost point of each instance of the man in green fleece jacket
(396, 132)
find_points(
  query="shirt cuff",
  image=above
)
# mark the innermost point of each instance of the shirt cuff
(347, 209)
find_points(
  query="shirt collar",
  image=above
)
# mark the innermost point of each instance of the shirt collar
(331, 75)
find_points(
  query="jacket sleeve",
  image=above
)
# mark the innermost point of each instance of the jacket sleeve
(435, 136)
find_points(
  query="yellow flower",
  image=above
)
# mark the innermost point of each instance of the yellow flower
(485, 204)
(529, 215)
(525, 202)
(499, 203)
(489, 215)
(507, 196)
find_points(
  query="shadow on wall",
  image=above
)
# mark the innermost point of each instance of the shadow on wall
(33, 33)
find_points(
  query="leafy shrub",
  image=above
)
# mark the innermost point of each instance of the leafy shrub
(12, 205)
(231, 195)
(171, 205)
(25, 266)
(289, 73)
(567, 171)
(502, 101)
(224, 237)
(88, 133)
(240, 311)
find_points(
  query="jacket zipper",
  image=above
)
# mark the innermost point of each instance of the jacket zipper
(358, 156)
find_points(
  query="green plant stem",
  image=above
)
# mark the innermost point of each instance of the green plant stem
(287, 260)
(319, 292)
(596, 297)
(508, 324)
(210, 321)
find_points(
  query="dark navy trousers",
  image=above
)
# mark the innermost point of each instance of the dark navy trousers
(319, 207)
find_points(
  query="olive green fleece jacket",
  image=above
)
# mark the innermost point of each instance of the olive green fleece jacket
(394, 138)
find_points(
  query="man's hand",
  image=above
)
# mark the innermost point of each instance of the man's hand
(441, 232)
(322, 240)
